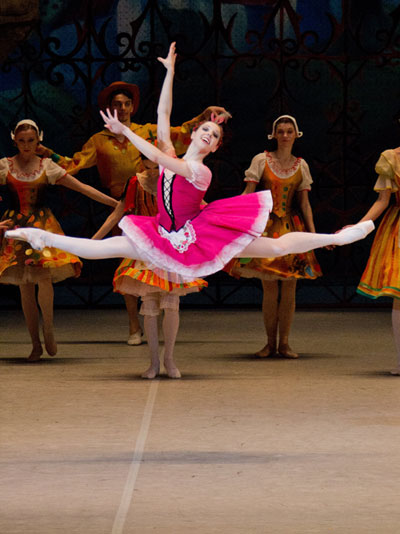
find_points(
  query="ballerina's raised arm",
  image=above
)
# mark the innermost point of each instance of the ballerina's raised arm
(165, 104)
(166, 156)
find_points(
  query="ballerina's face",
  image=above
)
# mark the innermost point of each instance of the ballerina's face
(27, 142)
(207, 136)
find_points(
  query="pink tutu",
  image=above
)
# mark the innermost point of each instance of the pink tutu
(190, 241)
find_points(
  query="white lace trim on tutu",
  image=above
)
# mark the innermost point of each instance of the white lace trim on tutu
(182, 239)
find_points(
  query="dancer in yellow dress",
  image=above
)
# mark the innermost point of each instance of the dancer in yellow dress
(27, 176)
(289, 180)
(381, 277)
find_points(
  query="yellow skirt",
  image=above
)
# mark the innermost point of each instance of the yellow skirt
(381, 277)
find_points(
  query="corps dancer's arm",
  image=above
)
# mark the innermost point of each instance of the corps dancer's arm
(379, 206)
(7, 223)
(250, 188)
(72, 183)
(254, 173)
(84, 159)
(111, 221)
(306, 210)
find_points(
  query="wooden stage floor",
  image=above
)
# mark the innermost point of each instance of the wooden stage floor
(238, 445)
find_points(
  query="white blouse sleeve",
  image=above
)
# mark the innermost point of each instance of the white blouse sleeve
(3, 170)
(385, 170)
(200, 175)
(53, 171)
(306, 177)
(256, 169)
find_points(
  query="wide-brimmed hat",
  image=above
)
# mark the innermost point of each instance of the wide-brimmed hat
(104, 95)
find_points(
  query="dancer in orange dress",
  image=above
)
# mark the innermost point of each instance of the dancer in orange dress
(289, 180)
(27, 176)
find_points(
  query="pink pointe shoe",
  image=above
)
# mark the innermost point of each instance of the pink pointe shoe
(34, 236)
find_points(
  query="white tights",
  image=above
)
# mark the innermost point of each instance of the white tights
(122, 247)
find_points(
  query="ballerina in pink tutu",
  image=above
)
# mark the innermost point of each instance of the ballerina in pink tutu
(185, 238)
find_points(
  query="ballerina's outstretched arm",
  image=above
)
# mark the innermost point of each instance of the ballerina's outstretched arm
(122, 247)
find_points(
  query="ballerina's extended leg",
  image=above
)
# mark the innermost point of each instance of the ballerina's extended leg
(91, 249)
(300, 242)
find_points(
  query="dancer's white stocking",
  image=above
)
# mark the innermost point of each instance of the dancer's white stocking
(396, 332)
(91, 249)
(300, 242)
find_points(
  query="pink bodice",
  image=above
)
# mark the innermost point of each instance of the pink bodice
(178, 201)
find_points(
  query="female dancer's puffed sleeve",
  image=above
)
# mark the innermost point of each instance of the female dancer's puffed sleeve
(256, 169)
(386, 169)
(306, 179)
(53, 171)
(200, 175)
(3, 170)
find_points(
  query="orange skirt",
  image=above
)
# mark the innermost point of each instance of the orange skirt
(133, 278)
(20, 264)
(289, 266)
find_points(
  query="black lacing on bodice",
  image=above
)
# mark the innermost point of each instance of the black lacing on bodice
(167, 186)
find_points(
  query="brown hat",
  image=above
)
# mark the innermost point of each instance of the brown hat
(104, 95)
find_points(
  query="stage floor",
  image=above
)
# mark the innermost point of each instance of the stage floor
(238, 445)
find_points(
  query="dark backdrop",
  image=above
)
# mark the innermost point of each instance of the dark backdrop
(332, 64)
